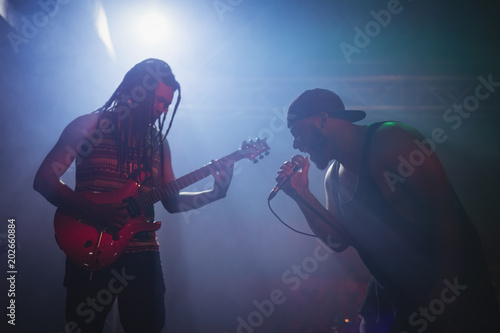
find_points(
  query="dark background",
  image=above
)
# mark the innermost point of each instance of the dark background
(240, 63)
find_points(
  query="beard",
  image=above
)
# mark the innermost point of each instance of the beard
(318, 151)
(321, 163)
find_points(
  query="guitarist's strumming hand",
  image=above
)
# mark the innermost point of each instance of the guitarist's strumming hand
(110, 216)
(222, 171)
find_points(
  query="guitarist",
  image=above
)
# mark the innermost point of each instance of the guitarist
(124, 139)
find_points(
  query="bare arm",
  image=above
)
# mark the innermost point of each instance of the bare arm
(321, 221)
(47, 180)
(421, 194)
(222, 172)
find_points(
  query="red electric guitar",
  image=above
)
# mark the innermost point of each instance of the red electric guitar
(93, 248)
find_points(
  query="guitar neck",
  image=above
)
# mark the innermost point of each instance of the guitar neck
(150, 198)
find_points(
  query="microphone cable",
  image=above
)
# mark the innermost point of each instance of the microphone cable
(341, 233)
(286, 225)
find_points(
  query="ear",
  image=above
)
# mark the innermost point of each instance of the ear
(323, 118)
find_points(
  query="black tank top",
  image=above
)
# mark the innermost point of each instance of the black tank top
(397, 252)
(392, 249)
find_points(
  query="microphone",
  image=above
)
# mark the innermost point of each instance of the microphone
(298, 163)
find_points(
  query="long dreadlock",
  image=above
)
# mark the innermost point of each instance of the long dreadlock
(137, 90)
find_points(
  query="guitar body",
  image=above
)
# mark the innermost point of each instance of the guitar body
(92, 247)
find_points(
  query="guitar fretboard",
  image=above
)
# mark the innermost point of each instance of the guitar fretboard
(150, 198)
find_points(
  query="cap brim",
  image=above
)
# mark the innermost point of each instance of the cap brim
(351, 115)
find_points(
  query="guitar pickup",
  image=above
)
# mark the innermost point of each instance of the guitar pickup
(133, 208)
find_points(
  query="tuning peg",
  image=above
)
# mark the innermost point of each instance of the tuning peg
(261, 157)
(266, 153)
(255, 161)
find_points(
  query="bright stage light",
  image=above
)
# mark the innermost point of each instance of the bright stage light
(152, 27)
(144, 30)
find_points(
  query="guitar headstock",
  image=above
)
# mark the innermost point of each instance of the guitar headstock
(254, 150)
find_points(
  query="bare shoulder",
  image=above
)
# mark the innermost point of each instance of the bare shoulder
(391, 130)
(393, 138)
(85, 121)
(399, 151)
(80, 126)
(166, 148)
(390, 144)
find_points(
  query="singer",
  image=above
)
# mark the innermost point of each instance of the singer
(429, 273)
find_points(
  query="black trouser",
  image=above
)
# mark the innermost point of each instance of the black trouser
(136, 279)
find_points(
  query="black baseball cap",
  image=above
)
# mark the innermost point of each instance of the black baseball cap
(316, 101)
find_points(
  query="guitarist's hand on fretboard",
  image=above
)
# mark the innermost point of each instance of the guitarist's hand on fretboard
(222, 171)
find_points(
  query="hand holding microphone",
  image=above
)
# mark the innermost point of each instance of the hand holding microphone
(287, 170)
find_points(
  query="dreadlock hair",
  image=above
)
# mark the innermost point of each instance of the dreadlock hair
(137, 91)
